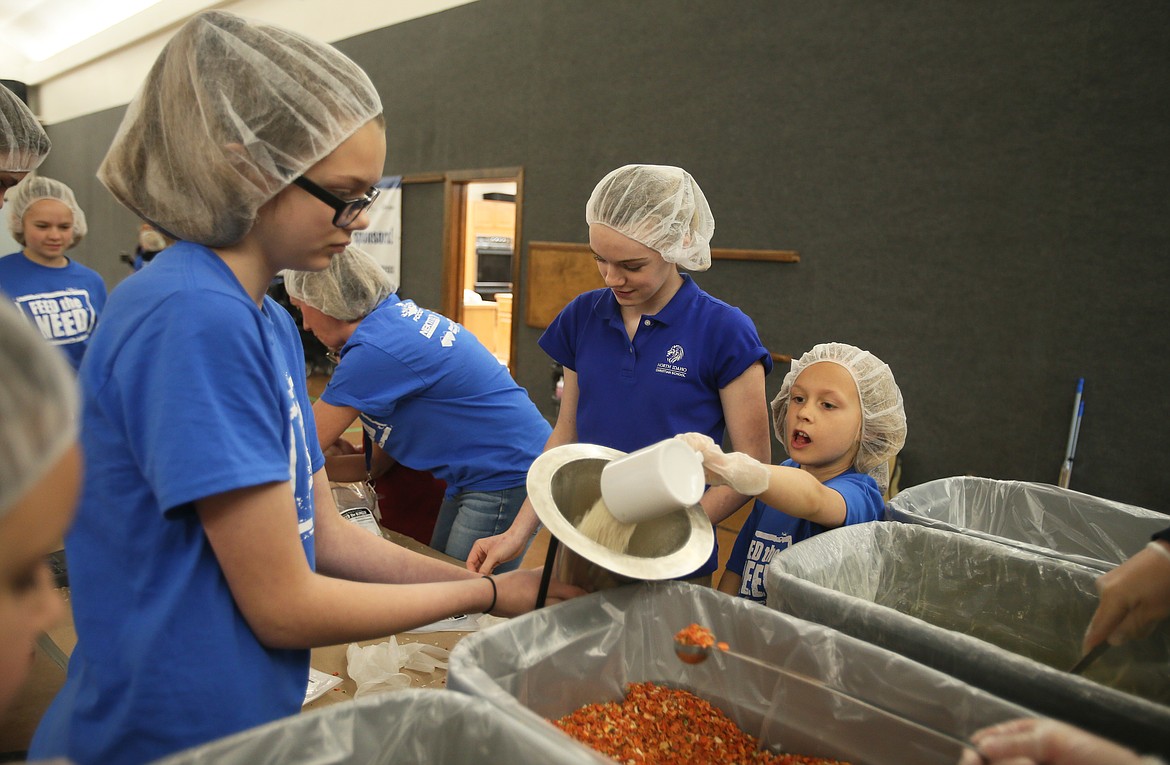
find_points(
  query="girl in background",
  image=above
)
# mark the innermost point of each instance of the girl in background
(58, 294)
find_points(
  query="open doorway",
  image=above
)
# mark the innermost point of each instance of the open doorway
(480, 242)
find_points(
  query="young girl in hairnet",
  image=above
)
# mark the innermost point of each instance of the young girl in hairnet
(839, 417)
(651, 355)
(61, 296)
(207, 556)
(23, 143)
(430, 396)
(40, 474)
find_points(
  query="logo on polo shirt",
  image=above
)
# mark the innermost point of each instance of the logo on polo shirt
(671, 367)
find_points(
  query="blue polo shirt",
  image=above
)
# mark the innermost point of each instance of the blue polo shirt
(769, 531)
(666, 380)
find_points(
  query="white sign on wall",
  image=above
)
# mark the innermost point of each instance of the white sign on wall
(383, 238)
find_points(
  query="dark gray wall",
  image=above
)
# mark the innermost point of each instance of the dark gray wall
(78, 148)
(978, 190)
(422, 216)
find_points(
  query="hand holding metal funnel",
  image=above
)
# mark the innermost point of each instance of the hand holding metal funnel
(565, 482)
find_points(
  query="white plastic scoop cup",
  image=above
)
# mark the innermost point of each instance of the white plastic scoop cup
(651, 482)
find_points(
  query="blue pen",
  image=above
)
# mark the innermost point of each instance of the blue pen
(1074, 429)
(1077, 431)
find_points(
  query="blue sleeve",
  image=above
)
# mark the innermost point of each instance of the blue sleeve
(863, 499)
(559, 340)
(740, 347)
(202, 402)
(738, 558)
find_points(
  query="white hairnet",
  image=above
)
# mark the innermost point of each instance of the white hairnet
(659, 206)
(150, 240)
(38, 405)
(883, 420)
(35, 189)
(231, 112)
(349, 289)
(23, 143)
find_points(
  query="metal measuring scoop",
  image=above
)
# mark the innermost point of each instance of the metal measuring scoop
(691, 653)
(1089, 658)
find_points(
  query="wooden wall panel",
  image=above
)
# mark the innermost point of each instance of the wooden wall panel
(559, 271)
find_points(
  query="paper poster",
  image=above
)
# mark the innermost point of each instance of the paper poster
(383, 238)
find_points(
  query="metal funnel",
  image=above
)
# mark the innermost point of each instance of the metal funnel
(564, 482)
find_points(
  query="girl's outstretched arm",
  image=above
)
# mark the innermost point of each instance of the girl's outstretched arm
(365, 587)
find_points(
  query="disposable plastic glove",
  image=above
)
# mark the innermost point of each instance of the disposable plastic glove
(377, 668)
(1045, 742)
(740, 471)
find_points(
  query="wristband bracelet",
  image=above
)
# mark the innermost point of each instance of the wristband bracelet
(1161, 548)
(492, 607)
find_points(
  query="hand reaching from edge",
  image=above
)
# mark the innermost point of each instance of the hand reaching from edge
(1045, 742)
(1135, 596)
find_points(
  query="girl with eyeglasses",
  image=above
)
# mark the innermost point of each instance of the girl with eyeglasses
(208, 556)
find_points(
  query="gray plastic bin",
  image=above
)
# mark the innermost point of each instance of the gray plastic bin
(550, 662)
(1040, 517)
(403, 727)
(1003, 619)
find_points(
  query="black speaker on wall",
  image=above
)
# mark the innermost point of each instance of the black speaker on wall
(17, 87)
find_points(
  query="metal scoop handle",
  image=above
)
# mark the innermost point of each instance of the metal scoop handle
(1089, 658)
(695, 654)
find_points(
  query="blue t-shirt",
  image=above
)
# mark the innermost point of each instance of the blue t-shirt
(664, 382)
(768, 531)
(190, 390)
(64, 303)
(434, 398)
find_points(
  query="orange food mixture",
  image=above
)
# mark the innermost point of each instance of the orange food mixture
(696, 635)
(656, 724)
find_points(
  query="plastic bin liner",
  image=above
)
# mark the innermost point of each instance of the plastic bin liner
(1067, 524)
(1003, 619)
(408, 726)
(552, 661)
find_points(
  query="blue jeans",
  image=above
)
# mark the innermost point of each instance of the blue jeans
(474, 515)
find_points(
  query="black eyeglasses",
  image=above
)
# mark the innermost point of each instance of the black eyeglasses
(346, 211)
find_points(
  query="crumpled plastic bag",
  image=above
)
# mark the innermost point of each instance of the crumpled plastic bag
(378, 668)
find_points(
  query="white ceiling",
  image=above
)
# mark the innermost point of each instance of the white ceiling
(103, 48)
(40, 29)
(42, 38)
